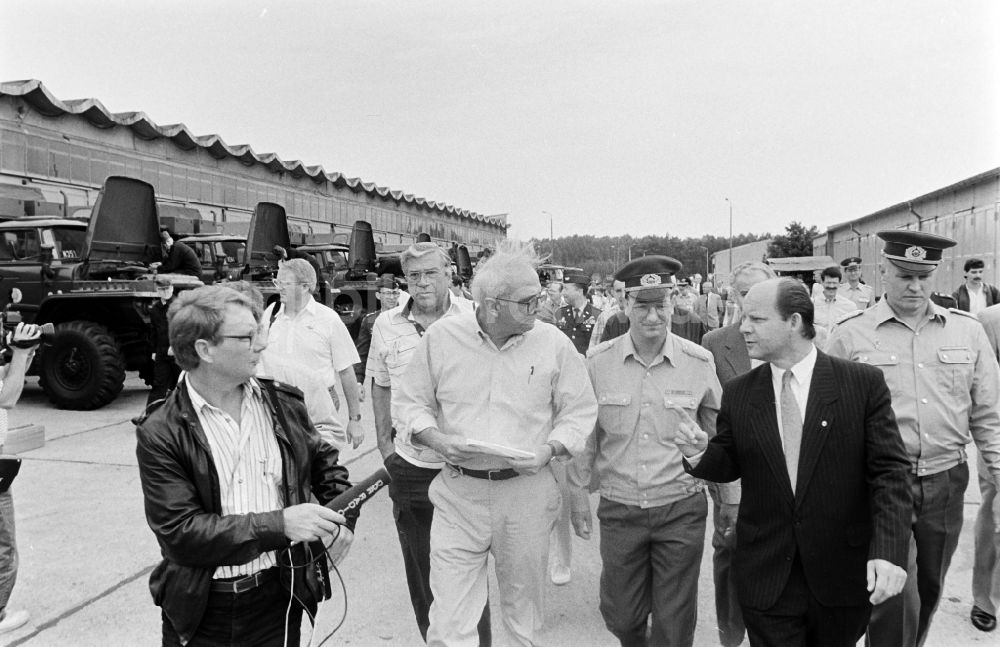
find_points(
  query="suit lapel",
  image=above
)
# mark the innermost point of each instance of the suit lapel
(737, 356)
(764, 423)
(818, 421)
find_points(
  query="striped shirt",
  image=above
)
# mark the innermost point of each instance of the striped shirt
(247, 460)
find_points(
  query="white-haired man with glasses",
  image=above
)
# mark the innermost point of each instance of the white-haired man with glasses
(307, 333)
(497, 397)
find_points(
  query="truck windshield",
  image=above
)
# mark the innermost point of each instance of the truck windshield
(69, 243)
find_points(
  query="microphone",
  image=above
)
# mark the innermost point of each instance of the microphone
(357, 494)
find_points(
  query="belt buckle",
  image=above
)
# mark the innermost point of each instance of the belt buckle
(490, 473)
(248, 583)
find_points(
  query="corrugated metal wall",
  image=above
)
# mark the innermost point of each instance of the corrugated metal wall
(967, 211)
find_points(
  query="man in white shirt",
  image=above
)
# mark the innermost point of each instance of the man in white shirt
(975, 295)
(830, 305)
(307, 333)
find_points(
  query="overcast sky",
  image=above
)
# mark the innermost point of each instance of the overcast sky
(615, 117)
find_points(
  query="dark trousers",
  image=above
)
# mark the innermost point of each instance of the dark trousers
(727, 604)
(651, 558)
(903, 620)
(254, 618)
(797, 619)
(413, 512)
(165, 374)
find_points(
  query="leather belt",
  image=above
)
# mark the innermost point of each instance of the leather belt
(486, 475)
(245, 583)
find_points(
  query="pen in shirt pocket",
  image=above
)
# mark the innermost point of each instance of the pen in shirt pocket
(530, 373)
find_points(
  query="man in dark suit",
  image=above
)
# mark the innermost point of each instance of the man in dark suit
(731, 359)
(823, 526)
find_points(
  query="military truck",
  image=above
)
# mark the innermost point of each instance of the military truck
(223, 256)
(93, 282)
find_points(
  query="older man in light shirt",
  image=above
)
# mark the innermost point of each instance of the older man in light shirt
(498, 398)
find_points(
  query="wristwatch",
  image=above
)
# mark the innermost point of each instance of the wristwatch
(356, 418)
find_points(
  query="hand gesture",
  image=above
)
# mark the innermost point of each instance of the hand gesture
(454, 449)
(310, 522)
(543, 454)
(580, 516)
(338, 550)
(355, 433)
(690, 439)
(885, 580)
(25, 334)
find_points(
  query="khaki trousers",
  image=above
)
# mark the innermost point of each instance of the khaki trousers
(476, 518)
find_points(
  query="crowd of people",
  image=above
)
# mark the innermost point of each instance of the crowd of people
(830, 432)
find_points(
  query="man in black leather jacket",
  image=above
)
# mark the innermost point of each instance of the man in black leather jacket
(227, 464)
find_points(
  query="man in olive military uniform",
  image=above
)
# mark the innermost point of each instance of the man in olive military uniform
(862, 295)
(652, 512)
(944, 381)
(578, 316)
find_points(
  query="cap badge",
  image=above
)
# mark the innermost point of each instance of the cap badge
(650, 279)
(916, 253)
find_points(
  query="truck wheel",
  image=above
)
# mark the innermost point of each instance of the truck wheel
(83, 368)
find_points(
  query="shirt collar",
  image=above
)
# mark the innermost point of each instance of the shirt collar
(309, 307)
(884, 313)
(802, 371)
(403, 312)
(668, 352)
(250, 387)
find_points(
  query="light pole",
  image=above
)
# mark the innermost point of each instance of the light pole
(552, 246)
(730, 235)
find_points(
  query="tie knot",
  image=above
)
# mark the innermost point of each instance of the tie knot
(786, 378)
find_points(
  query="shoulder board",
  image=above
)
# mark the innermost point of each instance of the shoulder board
(600, 348)
(963, 313)
(698, 352)
(284, 387)
(849, 316)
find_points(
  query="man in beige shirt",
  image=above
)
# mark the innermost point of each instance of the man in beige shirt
(497, 397)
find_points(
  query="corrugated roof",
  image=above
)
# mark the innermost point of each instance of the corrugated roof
(961, 184)
(39, 97)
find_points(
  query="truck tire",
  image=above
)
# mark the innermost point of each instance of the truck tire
(82, 369)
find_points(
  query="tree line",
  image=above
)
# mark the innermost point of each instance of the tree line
(605, 254)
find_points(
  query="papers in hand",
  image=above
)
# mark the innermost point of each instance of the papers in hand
(494, 449)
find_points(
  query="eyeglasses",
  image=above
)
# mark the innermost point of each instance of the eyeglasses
(389, 293)
(430, 275)
(529, 306)
(250, 338)
(283, 284)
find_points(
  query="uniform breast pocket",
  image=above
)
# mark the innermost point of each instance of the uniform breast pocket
(954, 370)
(612, 411)
(398, 355)
(679, 407)
(888, 363)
